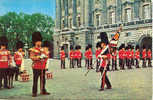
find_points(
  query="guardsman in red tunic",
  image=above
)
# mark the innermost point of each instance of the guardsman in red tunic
(98, 51)
(129, 57)
(86, 56)
(137, 56)
(18, 57)
(5, 60)
(122, 56)
(79, 57)
(144, 55)
(149, 52)
(89, 57)
(132, 56)
(71, 55)
(126, 51)
(38, 65)
(104, 62)
(62, 57)
(114, 59)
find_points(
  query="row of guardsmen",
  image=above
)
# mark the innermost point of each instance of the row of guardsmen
(127, 56)
(9, 64)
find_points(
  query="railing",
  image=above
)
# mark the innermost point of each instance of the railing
(107, 26)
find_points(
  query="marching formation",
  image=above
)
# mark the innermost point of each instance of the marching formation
(128, 56)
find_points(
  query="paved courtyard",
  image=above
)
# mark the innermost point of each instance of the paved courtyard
(70, 84)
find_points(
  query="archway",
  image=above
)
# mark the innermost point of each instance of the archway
(145, 41)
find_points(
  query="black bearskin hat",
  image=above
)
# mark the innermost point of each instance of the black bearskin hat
(46, 44)
(19, 44)
(62, 48)
(144, 47)
(137, 47)
(79, 47)
(3, 41)
(126, 48)
(71, 47)
(89, 46)
(104, 38)
(76, 47)
(98, 45)
(36, 36)
(122, 46)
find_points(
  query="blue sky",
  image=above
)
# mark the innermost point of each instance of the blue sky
(46, 7)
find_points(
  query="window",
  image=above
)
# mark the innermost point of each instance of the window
(128, 34)
(112, 17)
(79, 21)
(97, 20)
(128, 15)
(146, 11)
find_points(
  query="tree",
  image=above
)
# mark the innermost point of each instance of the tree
(21, 26)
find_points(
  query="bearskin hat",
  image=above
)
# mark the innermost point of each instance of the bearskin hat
(122, 46)
(79, 47)
(46, 44)
(104, 38)
(19, 44)
(98, 45)
(137, 47)
(3, 41)
(144, 47)
(36, 36)
(71, 47)
(89, 46)
(62, 48)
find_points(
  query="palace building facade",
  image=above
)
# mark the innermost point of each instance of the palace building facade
(79, 22)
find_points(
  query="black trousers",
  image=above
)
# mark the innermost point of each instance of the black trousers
(104, 79)
(114, 64)
(108, 69)
(17, 71)
(71, 63)
(3, 75)
(136, 63)
(62, 64)
(36, 74)
(129, 63)
(86, 62)
(144, 62)
(132, 61)
(89, 63)
(11, 73)
(122, 63)
(126, 61)
(149, 62)
(79, 63)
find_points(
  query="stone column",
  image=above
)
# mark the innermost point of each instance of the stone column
(136, 9)
(66, 13)
(118, 14)
(58, 15)
(82, 12)
(74, 5)
(104, 11)
(88, 12)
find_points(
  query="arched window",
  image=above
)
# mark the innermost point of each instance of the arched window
(146, 11)
(128, 15)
